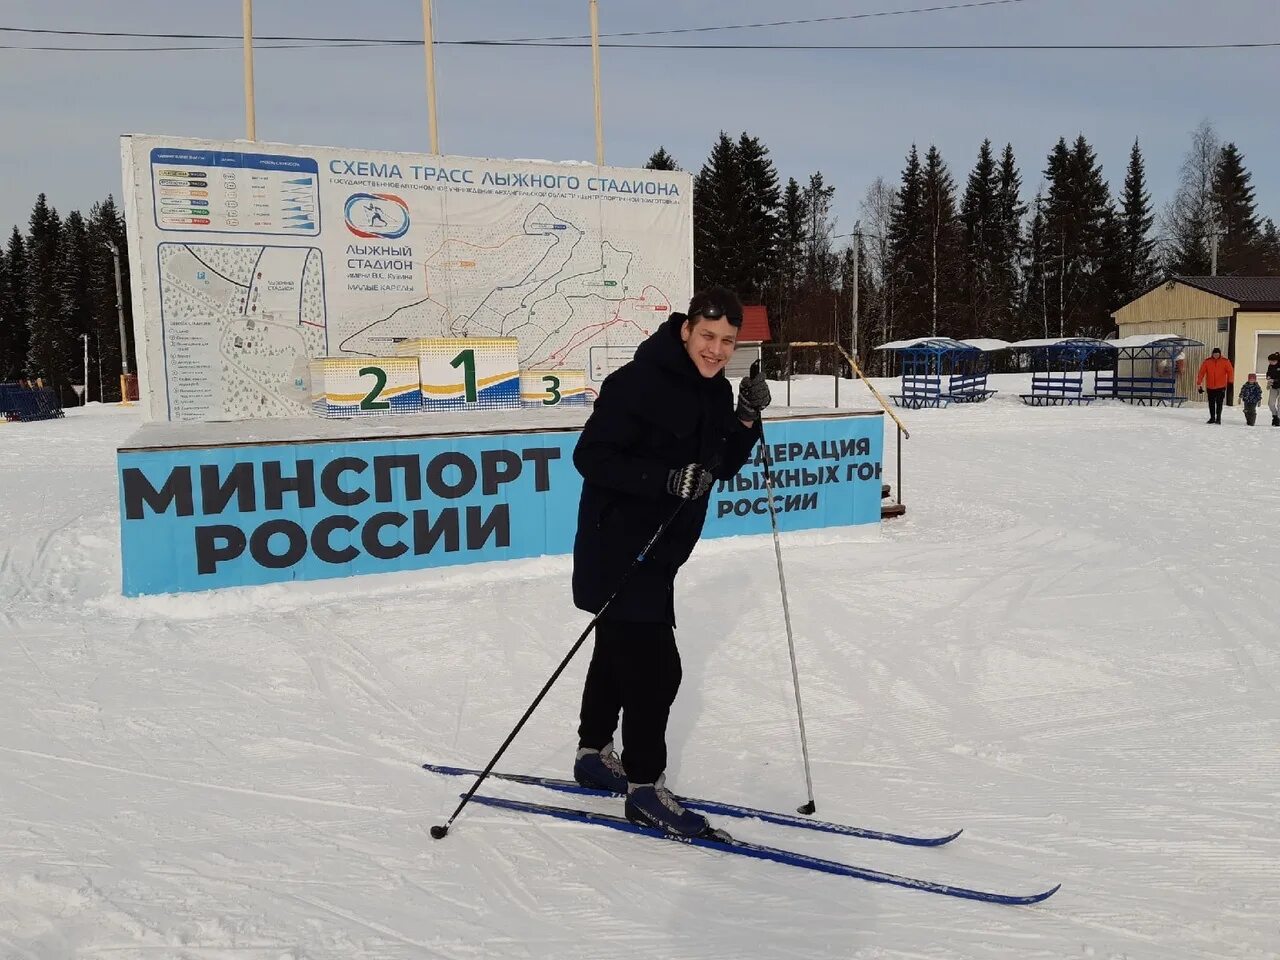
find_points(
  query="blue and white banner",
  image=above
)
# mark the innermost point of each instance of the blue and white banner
(206, 517)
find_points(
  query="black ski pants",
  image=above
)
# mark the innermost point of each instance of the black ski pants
(1216, 398)
(635, 671)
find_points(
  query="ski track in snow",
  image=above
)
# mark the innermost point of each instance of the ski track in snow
(1068, 647)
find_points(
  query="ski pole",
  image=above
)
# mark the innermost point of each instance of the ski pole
(809, 807)
(440, 831)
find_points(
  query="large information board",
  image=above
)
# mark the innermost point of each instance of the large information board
(249, 259)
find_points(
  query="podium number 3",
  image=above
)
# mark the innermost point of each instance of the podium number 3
(553, 388)
(371, 402)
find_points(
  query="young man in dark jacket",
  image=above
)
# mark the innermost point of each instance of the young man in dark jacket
(664, 429)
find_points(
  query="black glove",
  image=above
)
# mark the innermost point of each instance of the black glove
(753, 395)
(689, 482)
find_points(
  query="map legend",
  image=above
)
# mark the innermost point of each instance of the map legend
(213, 191)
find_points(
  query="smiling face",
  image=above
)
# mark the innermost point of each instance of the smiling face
(709, 343)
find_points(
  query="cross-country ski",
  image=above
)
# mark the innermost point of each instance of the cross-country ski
(711, 806)
(757, 851)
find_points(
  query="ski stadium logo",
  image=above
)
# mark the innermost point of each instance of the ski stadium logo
(377, 216)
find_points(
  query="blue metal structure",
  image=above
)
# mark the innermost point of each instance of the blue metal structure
(1146, 370)
(1059, 368)
(20, 402)
(937, 371)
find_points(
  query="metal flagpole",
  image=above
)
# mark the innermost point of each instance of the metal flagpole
(250, 123)
(595, 73)
(428, 33)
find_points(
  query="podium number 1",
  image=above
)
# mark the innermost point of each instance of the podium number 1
(467, 360)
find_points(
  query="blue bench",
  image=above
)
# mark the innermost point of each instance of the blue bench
(1056, 389)
(22, 403)
(968, 388)
(920, 391)
(1144, 391)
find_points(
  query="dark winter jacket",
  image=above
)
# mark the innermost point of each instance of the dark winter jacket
(655, 414)
(1273, 375)
(1251, 394)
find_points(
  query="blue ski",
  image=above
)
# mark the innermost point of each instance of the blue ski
(710, 806)
(773, 854)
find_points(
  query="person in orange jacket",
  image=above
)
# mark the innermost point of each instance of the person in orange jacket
(1216, 373)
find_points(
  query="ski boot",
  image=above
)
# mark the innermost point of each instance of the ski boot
(600, 769)
(653, 805)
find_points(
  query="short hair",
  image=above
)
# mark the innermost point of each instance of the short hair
(716, 302)
(1216, 350)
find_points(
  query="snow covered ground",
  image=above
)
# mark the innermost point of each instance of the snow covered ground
(1069, 646)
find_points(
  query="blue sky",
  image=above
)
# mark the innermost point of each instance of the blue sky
(852, 115)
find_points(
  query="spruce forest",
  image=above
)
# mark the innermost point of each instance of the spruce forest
(930, 256)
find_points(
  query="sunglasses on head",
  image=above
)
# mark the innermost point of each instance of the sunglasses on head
(713, 312)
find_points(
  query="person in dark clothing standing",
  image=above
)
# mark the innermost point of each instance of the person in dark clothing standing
(1273, 391)
(663, 431)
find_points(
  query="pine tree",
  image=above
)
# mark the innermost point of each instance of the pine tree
(945, 242)
(1034, 322)
(14, 306)
(757, 245)
(844, 309)
(10, 360)
(813, 311)
(49, 346)
(106, 225)
(1235, 211)
(909, 265)
(1057, 231)
(980, 221)
(820, 262)
(1270, 249)
(661, 160)
(717, 195)
(792, 239)
(1138, 268)
(1078, 225)
(74, 294)
(1005, 257)
(1189, 216)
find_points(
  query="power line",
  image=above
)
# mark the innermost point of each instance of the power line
(789, 23)
(701, 48)
(973, 4)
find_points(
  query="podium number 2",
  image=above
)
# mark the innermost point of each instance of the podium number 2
(467, 360)
(371, 402)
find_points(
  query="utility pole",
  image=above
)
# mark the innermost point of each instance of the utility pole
(124, 342)
(1062, 286)
(857, 251)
